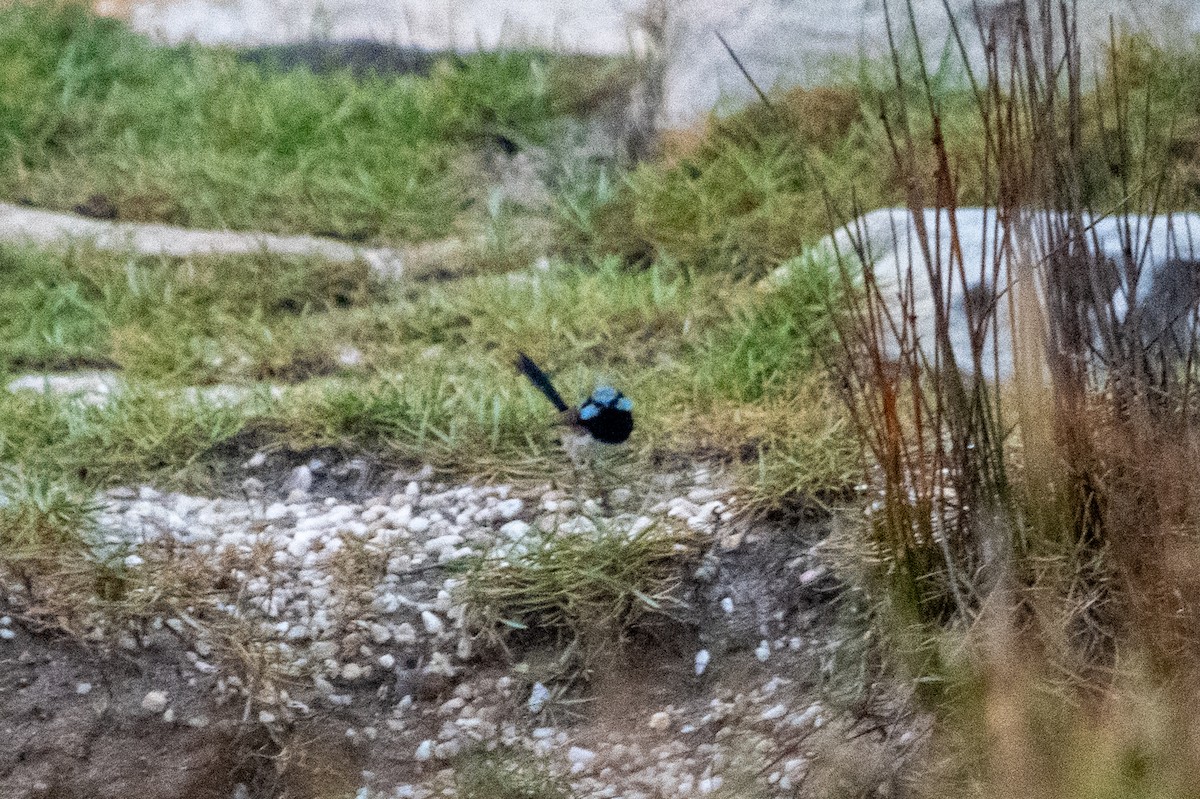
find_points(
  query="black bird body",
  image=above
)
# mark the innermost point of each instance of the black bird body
(607, 415)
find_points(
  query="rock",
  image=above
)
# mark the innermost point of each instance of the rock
(640, 525)
(447, 750)
(620, 497)
(352, 672)
(435, 545)
(515, 530)
(812, 575)
(405, 633)
(763, 651)
(680, 508)
(660, 721)
(424, 751)
(301, 479)
(774, 712)
(809, 716)
(538, 697)
(510, 508)
(432, 622)
(702, 658)
(380, 634)
(155, 702)
(580, 525)
(580, 758)
(418, 525)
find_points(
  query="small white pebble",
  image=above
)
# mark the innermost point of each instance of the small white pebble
(727, 604)
(509, 508)
(763, 651)
(580, 758)
(380, 634)
(83, 688)
(660, 721)
(7, 634)
(424, 751)
(446, 749)
(538, 697)
(774, 712)
(702, 658)
(809, 716)
(812, 575)
(433, 623)
(155, 701)
(515, 529)
(353, 671)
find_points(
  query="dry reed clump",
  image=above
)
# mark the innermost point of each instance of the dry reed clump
(1037, 540)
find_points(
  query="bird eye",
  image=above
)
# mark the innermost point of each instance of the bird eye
(605, 395)
(625, 404)
(589, 411)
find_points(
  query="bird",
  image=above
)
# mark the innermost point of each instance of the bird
(606, 415)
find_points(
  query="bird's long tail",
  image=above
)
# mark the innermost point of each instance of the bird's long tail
(540, 379)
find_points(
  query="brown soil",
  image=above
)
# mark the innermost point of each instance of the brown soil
(58, 742)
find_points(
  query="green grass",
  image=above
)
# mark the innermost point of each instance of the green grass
(141, 434)
(196, 137)
(585, 591)
(42, 518)
(173, 320)
(719, 367)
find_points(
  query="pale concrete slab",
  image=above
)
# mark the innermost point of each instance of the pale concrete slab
(99, 387)
(1167, 246)
(25, 225)
(91, 388)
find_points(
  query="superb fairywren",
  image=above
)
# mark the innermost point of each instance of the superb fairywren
(607, 415)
